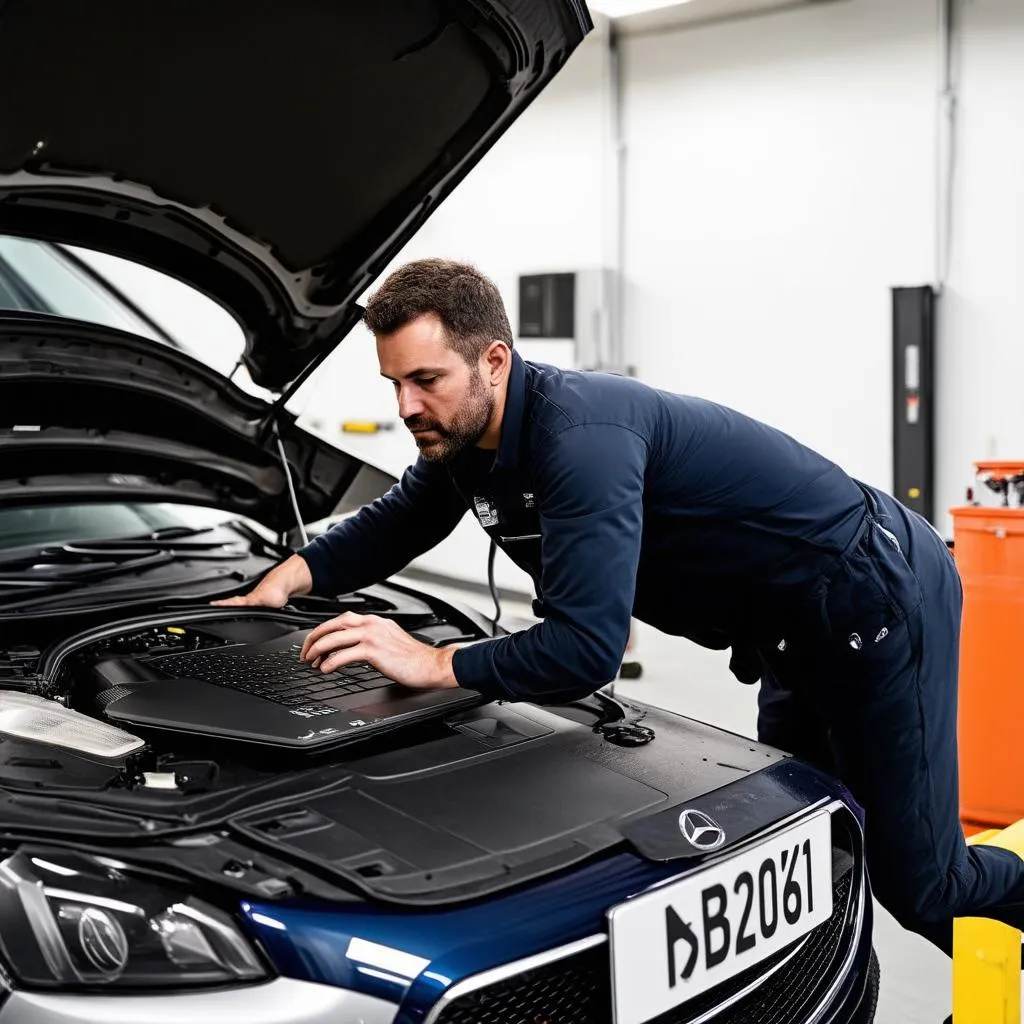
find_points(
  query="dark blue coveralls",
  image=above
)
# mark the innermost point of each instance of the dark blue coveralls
(624, 501)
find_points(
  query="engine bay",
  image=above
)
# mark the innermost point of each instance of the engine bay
(439, 810)
(67, 678)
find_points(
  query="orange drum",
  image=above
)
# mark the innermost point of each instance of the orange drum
(988, 544)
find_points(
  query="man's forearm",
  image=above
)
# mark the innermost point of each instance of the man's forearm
(445, 678)
(382, 538)
(293, 576)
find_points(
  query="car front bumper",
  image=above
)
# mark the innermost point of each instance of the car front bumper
(281, 1001)
(385, 965)
(820, 980)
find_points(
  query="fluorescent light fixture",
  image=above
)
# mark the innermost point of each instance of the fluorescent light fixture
(623, 8)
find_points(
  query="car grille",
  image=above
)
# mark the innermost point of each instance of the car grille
(791, 991)
(577, 989)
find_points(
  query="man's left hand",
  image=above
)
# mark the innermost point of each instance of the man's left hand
(385, 645)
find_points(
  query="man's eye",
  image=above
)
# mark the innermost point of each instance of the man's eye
(426, 381)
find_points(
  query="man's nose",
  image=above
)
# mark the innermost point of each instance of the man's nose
(409, 403)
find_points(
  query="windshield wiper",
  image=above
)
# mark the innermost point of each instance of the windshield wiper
(64, 594)
(77, 558)
(49, 572)
(177, 532)
(105, 548)
(23, 591)
(160, 534)
(12, 549)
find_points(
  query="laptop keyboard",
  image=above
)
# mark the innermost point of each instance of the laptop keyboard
(277, 676)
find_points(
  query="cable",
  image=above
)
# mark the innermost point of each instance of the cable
(291, 487)
(490, 582)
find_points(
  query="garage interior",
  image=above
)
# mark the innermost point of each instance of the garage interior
(756, 178)
(811, 211)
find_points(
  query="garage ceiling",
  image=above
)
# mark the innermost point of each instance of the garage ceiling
(653, 15)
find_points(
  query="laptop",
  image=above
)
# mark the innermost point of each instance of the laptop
(261, 693)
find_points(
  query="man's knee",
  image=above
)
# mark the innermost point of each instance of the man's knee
(921, 903)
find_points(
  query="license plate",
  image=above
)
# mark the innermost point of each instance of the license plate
(672, 944)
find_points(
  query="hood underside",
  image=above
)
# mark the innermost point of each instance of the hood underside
(275, 156)
(90, 414)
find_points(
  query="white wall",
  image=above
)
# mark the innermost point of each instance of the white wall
(782, 178)
(780, 181)
(981, 356)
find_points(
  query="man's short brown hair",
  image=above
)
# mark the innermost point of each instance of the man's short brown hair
(466, 302)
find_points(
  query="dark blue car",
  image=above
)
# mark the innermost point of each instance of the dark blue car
(499, 863)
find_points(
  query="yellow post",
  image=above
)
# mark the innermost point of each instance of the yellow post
(986, 955)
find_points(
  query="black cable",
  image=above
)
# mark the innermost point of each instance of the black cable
(490, 582)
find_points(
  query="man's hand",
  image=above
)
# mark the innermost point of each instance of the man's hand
(385, 645)
(291, 577)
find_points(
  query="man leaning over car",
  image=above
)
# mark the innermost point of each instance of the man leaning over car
(622, 500)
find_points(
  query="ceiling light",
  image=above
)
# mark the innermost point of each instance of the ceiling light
(623, 8)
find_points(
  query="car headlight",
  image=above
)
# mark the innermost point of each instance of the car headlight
(68, 919)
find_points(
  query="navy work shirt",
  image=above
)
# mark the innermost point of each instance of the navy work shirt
(620, 501)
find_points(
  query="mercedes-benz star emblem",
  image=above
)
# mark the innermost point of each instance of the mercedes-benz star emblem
(701, 831)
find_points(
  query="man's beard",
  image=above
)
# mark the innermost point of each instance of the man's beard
(467, 426)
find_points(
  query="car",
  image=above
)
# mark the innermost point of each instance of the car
(503, 862)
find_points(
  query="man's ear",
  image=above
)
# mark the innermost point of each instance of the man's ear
(497, 360)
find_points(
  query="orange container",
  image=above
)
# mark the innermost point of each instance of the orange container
(988, 544)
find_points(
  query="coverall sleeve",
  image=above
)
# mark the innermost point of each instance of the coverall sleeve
(383, 537)
(590, 483)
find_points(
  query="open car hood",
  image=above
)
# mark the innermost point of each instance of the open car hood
(274, 156)
(89, 413)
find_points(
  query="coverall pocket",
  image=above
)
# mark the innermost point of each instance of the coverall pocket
(867, 602)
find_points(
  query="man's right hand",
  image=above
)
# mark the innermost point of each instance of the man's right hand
(291, 577)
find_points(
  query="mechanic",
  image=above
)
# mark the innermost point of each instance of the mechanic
(621, 500)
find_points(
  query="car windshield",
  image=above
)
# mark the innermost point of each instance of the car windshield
(98, 288)
(95, 287)
(46, 279)
(53, 524)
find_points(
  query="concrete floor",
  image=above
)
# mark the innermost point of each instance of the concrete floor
(684, 678)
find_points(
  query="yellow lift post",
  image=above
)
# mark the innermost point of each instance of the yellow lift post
(987, 955)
